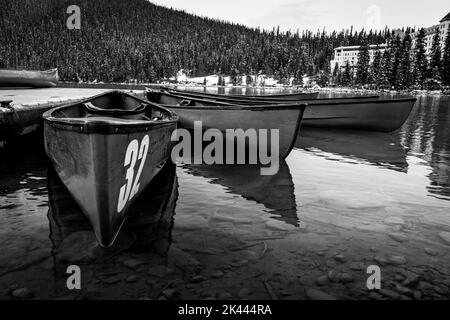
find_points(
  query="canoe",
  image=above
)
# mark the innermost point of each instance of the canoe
(360, 113)
(285, 117)
(106, 150)
(149, 221)
(28, 78)
(276, 193)
(241, 99)
(268, 97)
(373, 115)
(157, 95)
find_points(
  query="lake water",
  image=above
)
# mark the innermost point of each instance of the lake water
(342, 201)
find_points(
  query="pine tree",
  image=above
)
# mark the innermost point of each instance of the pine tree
(396, 49)
(404, 76)
(376, 70)
(420, 60)
(362, 67)
(435, 59)
(386, 63)
(347, 76)
(445, 71)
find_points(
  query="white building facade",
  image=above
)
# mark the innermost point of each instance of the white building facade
(430, 32)
(350, 54)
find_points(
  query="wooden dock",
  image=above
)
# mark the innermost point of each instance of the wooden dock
(21, 109)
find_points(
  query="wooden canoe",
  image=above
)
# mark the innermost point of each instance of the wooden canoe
(373, 115)
(213, 115)
(150, 217)
(242, 99)
(106, 150)
(360, 113)
(155, 95)
(28, 78)
(269, 98)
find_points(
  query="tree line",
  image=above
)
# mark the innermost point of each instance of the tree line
(135, 40)
(401, 66)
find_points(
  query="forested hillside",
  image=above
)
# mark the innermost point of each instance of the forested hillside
(135, 39)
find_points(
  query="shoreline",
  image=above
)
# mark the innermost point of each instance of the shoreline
(142, 86)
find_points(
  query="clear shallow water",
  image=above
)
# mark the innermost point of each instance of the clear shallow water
(341, 201)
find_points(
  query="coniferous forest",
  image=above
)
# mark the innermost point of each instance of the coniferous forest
(135, 40)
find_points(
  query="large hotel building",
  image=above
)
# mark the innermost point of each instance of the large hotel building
(350, 54)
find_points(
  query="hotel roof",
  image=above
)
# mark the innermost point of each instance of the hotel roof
(351, 48)
(446, 18)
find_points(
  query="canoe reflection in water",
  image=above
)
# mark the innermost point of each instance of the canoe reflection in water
(376, 148)
(275, 192)
(147, 229)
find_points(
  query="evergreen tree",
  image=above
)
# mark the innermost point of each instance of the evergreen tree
(420, 60)
(362, 67)
(386, 63)
(435, 59)
(404, 76)
(396, 49)
(445, 71)
(335, 72)
(376, 69)
(347, 75)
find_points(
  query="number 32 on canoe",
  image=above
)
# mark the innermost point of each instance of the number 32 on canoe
(135, 151)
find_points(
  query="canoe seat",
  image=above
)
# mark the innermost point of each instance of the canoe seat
(115, 111)
(186, 102)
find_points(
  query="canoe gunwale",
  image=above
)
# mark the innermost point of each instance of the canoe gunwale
(274, 97)
(102, 126)
(239, 107)
(230, 106)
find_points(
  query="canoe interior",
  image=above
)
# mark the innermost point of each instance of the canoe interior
(111, 112)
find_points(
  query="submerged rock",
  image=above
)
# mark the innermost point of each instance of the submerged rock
(183, 261)
(397, 260)
(399, 237)
(445, 236)
(389, 293)
(314, 294)
(322, 280)
(430, 252)
(22, 293)
(158, 271)
(340, 257)
(133, 263)
(394, 221)
(244, 292)
(217, 274)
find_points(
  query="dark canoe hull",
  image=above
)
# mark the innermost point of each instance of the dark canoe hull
(286, 119)
(378, 115)
(24, 78)
(94, 161)
(150, 217)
